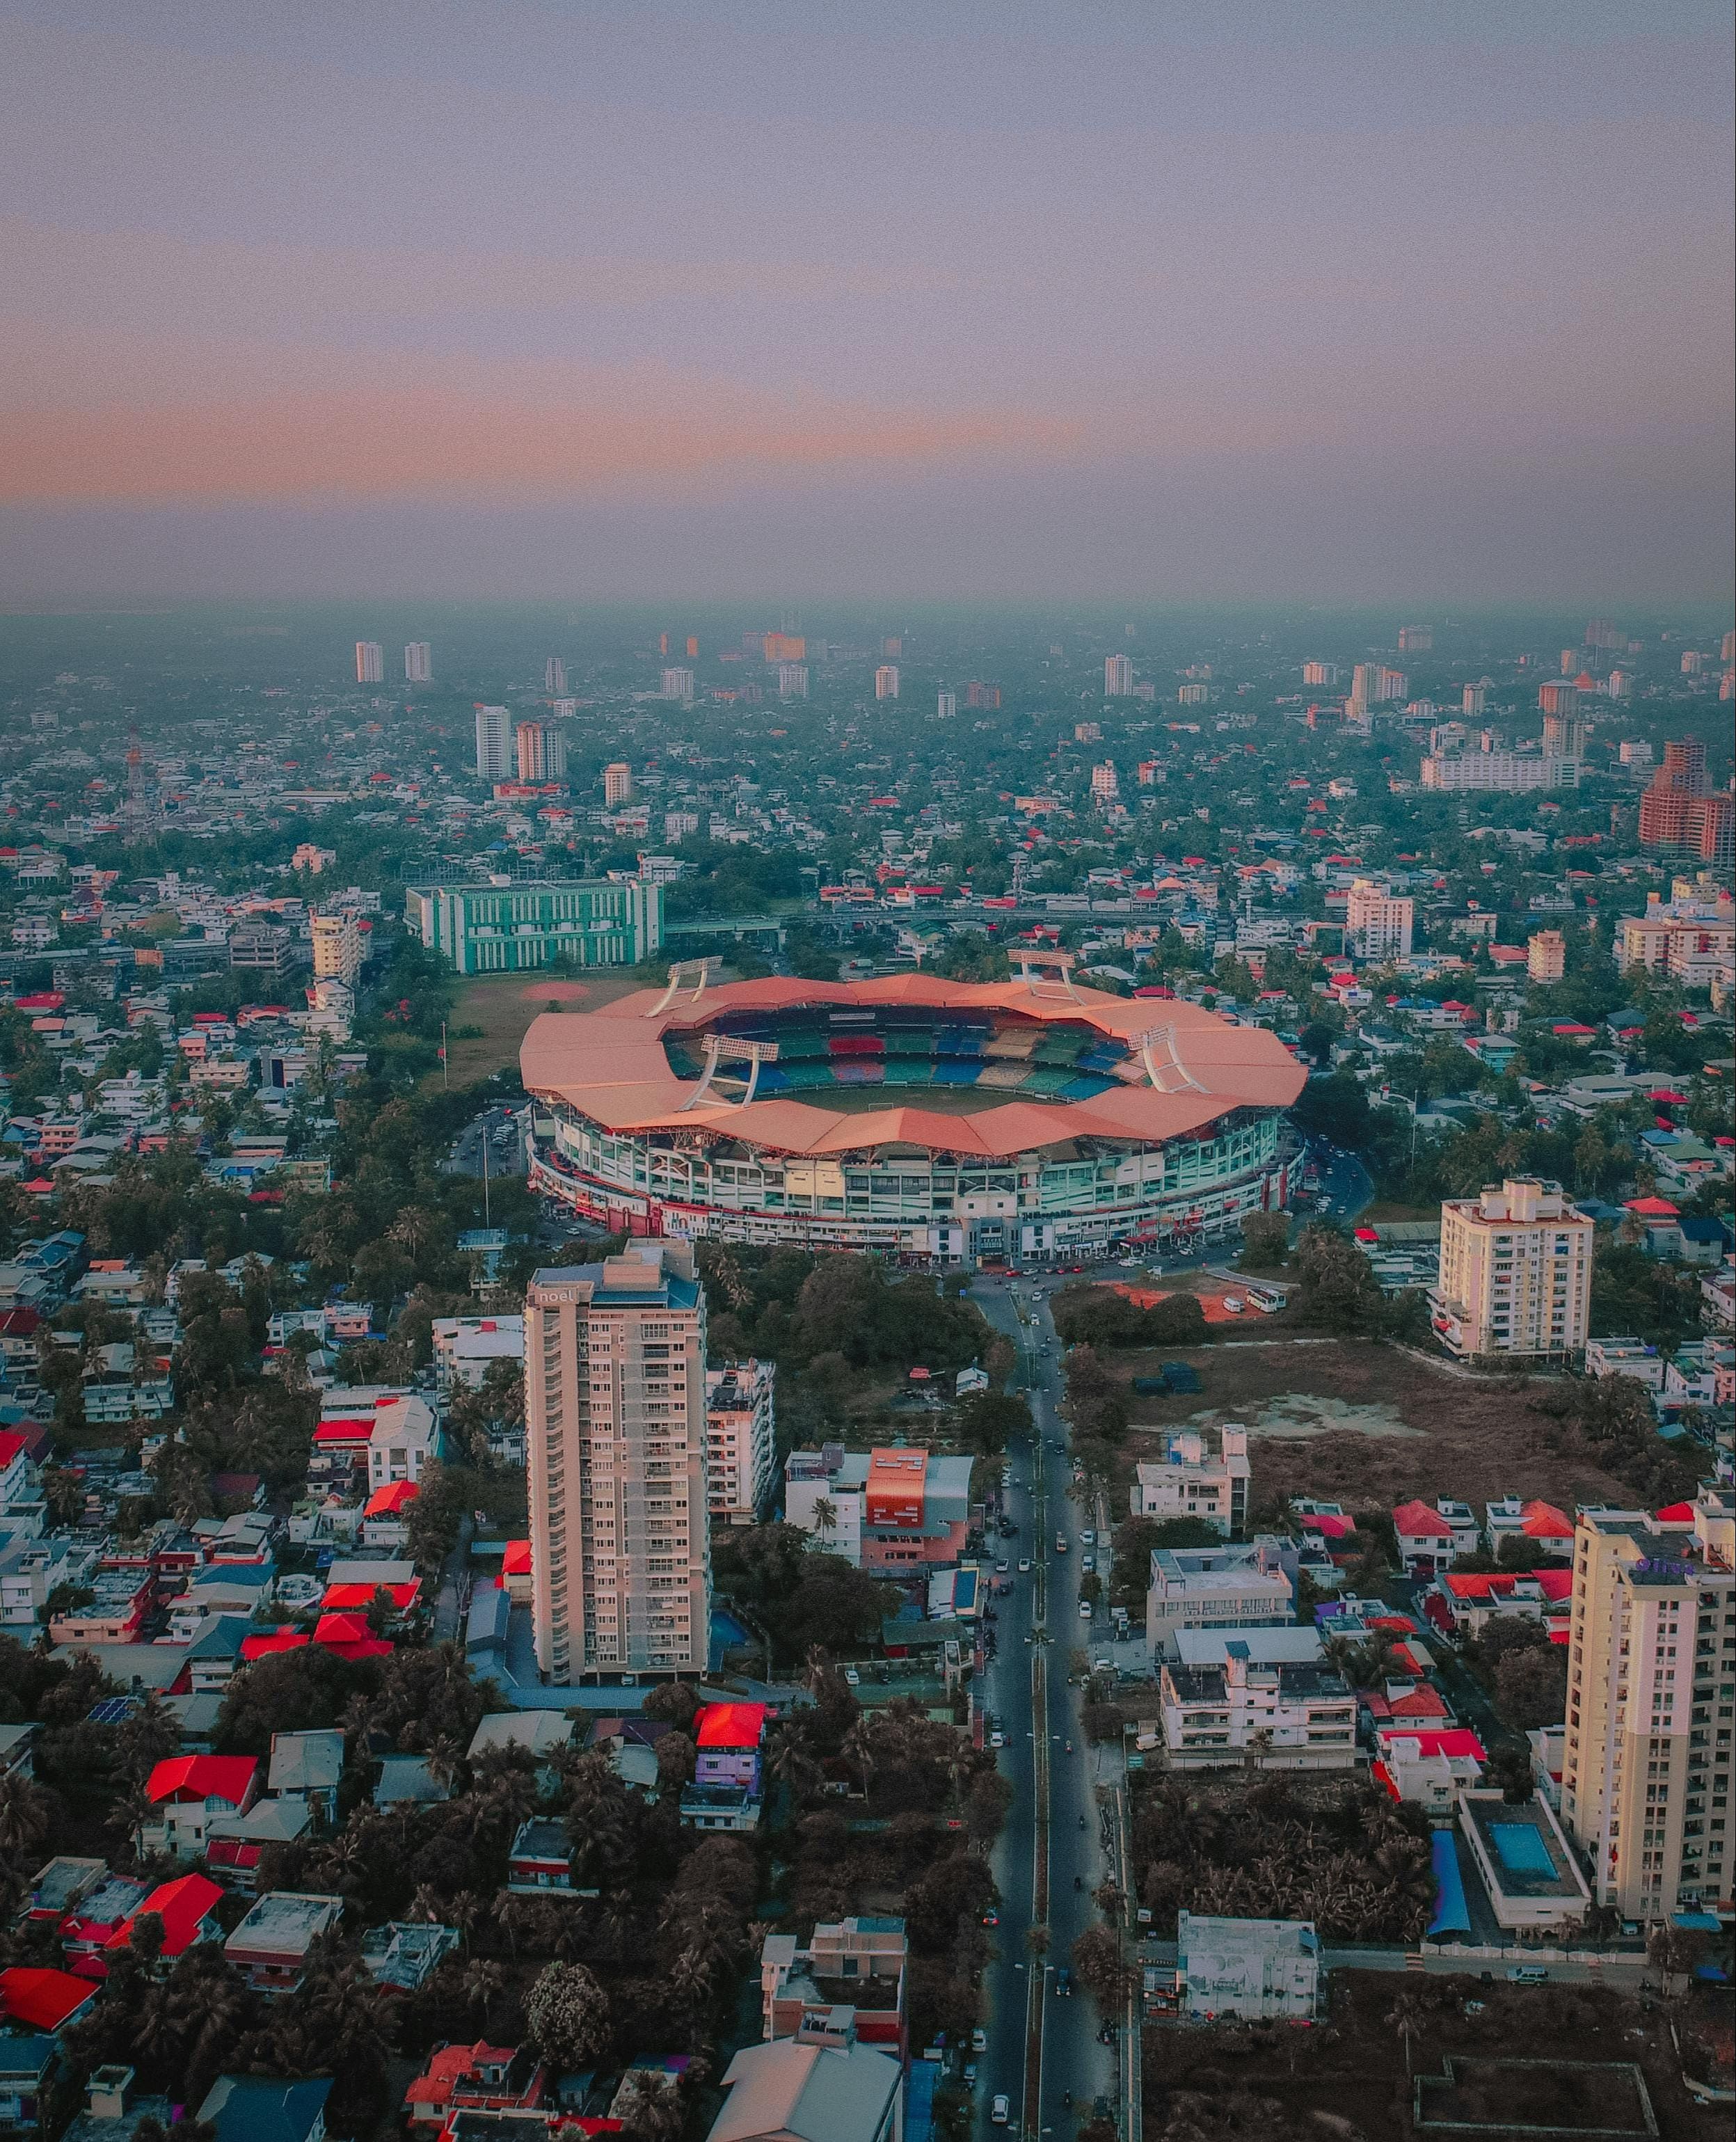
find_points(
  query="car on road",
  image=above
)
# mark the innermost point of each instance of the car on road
(1084, 1609)
(1063, 1982)
(979, 2040)
(1087, 1562)
(853, 1679)
(1528, 1974)
(1087, 1537)
(1060, 1543)
(997, 1740)
(991, 1918)
(1102, 1663)
(1024, 1568)
(1000, 1568)
(999, 2111)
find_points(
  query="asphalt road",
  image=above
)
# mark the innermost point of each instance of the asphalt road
(506, 1155)
(1045, 1603)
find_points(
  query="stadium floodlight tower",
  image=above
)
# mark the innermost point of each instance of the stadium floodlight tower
(695, 976)
(725, 1049)
(1163, 1064)
(1048, 975)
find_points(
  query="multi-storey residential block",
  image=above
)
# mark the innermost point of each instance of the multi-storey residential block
(1651, 1702)
(1378, 922)
(1546, 956)
(1191, 1480)
(338, 948)
(493, 742)
(370, 662)
(614, 1416)
(1515, 1272)
(740, 1439)
(1217, 1587)
(855, 1964)
(1277, 1716)
(1507, 772)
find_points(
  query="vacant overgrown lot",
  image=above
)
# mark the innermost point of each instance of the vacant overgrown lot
(1345, 2080)
(1408, 1427)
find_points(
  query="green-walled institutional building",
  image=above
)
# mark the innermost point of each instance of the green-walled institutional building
(512, 928)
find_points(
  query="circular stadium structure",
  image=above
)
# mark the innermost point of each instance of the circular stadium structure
(949, 1121)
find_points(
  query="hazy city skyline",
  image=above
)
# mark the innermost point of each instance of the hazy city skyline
(1319, 304)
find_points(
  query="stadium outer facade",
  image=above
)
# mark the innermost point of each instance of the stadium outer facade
(1105, 1120)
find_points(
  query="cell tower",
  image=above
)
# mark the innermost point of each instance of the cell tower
(141, 813)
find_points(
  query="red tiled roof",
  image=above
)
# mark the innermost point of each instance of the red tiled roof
(1653, 1208)
(202, 1777)
(41, 2000)
(388, 1501)
(1419, 1521)
(1544, 1521)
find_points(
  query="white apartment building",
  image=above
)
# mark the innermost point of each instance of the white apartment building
(1284, 1716)
(740, 1440)
(946, 705)
(1377, 922)
(1205, 1588)
(677, 685)
(1117, 677)
(338, 948)
(466, 1347)
(418, 663)
(1515, 1272)
(1193, 1480)
(614, 1418)
(370, 662)
(885, 681)
(792, 681)
(494, 743)
(1508, 773)
(1651, 1696)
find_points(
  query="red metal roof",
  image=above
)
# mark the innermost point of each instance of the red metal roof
(202, 1777)
(732, 1725)
(42, 2000)
(183, 1906)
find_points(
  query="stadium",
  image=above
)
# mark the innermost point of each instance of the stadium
(949, 1121)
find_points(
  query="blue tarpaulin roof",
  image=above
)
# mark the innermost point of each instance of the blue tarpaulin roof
(1451, 1913)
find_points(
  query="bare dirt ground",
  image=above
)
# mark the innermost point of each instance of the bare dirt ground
(1363, 1424)
(504, 1005)
(1346, 2078)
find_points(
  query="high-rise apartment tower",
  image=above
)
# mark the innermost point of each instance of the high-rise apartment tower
(614, 1428)
(370, 662)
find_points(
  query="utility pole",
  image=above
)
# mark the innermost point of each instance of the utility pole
(487, 1221)
(444, 1080)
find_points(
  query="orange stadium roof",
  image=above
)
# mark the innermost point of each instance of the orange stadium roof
(610, 1065)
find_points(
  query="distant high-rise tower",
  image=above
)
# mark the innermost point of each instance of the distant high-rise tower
(370, 662)
(678, 684)
(1105, 788)
(541, 753)
(885, 681)
(977, 694)
(693, 648)
(780, 646)
(1117, 677)
(614, 1433)
(418, 663)
(792, 681)
(1415, 639)
(617, 782)
(493, 742)
(946, 705)
(1476, 700)
(1320, 676)
(555, 677)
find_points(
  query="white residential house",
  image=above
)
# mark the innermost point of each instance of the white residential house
(1625, 1357)
(1193, 1480)
(405, 1435)
(1431, 1538)
(1231, 1586)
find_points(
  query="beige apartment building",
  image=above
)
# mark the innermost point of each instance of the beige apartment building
(740, 1436)
(614, 1422)
(1546, 956)
(336, 949)
(1377, 922)
(1651, 1703)
(1515, 1272)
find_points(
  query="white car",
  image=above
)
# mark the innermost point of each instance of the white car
(1087, 1537)
(979, 2040)
(999, 2111)
(997, 1740)
(1084, 1609)
(1024, 1569)
(853, 1679)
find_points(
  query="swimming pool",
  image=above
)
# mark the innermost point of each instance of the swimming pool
(1523, 1849)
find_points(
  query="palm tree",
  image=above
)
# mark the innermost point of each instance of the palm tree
(1405, 2016)
(826, 1514)
(483, 1982)
(859, 1749)
(25, 1814)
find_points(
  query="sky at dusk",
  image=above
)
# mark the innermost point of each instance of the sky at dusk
(527, 298)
